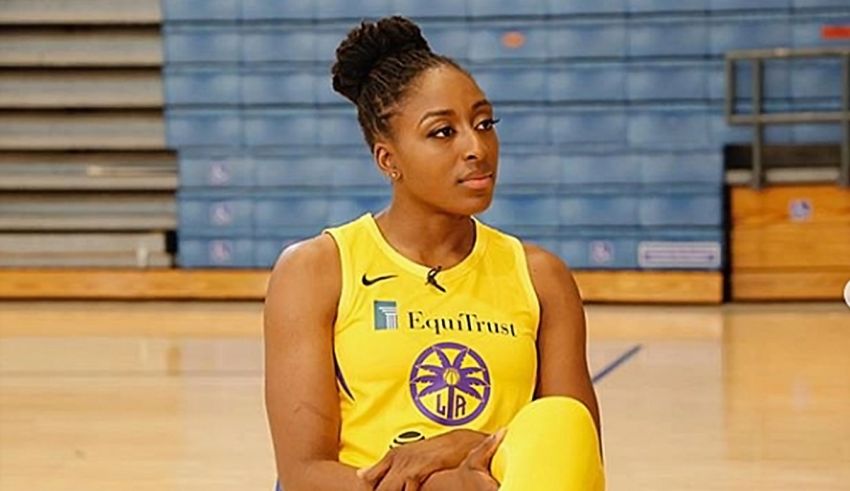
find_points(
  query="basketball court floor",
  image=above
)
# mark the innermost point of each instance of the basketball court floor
(168, 396)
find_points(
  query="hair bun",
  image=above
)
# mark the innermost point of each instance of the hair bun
(366, 45)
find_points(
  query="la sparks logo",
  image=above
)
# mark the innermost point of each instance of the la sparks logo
(450, 384)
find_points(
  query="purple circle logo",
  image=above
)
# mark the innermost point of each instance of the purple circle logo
(450, 384)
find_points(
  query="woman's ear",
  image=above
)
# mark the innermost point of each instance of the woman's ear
(384, 159)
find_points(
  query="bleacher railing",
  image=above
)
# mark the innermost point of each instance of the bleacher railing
(758, 118)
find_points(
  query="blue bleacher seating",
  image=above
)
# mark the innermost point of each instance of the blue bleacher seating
(723, 133)
(355, 170)
(655, 6)
(522, 210)
(195, 252)
(339, 127)
(323, 88)
(600, 250)
(281, 127)
(665, 128)
(761, 5)
(268, 249)
(202, 44)
(200, 10)
(353, 9)
(505, 8)
(582, 38)
(817, 79)
(666, 80)
(448, 38)
(201, 86)
(730, 33)
(512, 83)
(816, 133)
(220, 213)
(291, 170)
(279, 44)
(548, 242)
(775, 76)
(587, 82)
(345, 208)
(522, 125)
(203, 127)
(205, 168)
(815, 4)
(582, 7)
(700, 167)
(327, 38)
(507, 41)
(587, 126)
(611, 206)
(418, 9)
(807, 29)
(601, 154)
(581, 169)
(264, 10)
(290, 212)
(673, 36)
(265, 86)
(681, 207)
(528, 169)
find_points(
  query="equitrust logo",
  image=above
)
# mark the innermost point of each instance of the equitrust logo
(387, 316)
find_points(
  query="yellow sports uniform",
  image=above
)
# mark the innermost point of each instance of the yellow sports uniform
(416, 358)
(419, 353)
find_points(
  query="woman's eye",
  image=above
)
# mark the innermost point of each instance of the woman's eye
(488, 124)
(443, 132)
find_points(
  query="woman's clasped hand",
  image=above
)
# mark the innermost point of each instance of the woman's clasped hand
(455, 461)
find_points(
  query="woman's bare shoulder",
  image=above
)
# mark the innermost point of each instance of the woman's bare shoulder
(311, 268)
(550, 274)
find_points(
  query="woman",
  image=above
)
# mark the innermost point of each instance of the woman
(398, 346)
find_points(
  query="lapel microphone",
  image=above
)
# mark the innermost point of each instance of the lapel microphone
(432, 278)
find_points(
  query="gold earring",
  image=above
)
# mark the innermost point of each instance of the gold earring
(394, 175)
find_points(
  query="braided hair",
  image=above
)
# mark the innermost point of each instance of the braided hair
(375, 65)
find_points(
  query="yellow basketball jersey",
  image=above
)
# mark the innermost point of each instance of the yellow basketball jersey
(416, 359)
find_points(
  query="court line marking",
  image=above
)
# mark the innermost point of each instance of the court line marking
(616, 363)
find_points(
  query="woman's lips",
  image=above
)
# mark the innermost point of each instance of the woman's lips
(479, 182)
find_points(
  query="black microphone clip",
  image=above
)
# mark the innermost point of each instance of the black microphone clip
(432, 278)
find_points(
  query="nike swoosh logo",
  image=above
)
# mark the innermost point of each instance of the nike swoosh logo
(369, 282)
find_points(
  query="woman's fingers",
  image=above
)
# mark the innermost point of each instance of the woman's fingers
(394, 480)
(480, 456)
(375, 473)
(411, 485)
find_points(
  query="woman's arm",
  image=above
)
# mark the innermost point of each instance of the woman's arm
(301, 395)
(562, 338)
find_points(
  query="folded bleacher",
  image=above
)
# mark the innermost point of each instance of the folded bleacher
(85, 177)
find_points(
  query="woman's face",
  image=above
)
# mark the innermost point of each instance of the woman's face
(444, 143)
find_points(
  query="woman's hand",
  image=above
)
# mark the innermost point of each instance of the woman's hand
(475, 469)
(405, 468)
(473, 474)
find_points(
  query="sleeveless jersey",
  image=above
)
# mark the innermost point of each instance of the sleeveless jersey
(415, 359)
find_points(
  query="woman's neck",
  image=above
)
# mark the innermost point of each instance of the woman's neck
(425, 236)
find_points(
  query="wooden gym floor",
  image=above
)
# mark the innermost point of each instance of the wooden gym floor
(168, 396)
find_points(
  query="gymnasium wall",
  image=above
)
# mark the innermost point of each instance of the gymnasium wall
(612, 125)
(205, 134)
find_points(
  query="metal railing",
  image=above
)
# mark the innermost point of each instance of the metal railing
(759, 119)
